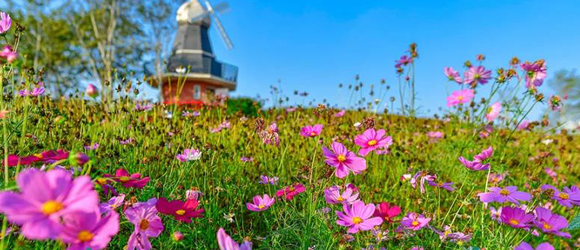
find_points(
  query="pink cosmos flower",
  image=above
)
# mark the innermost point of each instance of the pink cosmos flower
(226, 242)
(452, 75)
(290, 191)
(260, 203)
(268, 180)
(555, 103)
(414, 221)
(129, 180)
(193, 194)
(448, 234)
(181, 211)
(147, 224)
(340, 113)
(270, 135)
(434, 136)
(460, 97)
(189, 155)
(525, 125)
(44, 198)
(477, 75)
(495, 213)
(493, 111)
(311, 131)
(535, 73)
(516, 217)
(551, 223)
(477, 163)
(567, 197)
(371, 140)
(112, 204)
(5, 22)
(423, 177)
(445, 185)
(387, 211)
(502, 195)
(89, 230)
(9, 54)
(177, 236)
(358, 216)
(92, 91)
(525, 246)
(333, 195)
(403, 61)
(143, 106)
(343, 160)
(94, 146)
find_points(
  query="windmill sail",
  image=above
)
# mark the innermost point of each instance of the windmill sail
(223, 33)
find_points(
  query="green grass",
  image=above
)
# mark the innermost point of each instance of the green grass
(37, 124)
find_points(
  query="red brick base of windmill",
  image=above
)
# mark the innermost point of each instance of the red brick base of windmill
(191, 92)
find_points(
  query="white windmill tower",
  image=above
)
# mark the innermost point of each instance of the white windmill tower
(193, 60)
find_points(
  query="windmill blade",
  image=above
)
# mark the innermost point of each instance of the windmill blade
(223, 33)
(221, 7)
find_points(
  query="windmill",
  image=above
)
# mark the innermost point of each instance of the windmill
(193, 74)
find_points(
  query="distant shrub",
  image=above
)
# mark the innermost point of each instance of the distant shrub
(245, 105)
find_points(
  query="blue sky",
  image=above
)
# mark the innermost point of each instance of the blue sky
(312, 45)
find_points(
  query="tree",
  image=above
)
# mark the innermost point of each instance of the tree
(566, 83)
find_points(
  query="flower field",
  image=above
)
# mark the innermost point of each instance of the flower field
(79, 173)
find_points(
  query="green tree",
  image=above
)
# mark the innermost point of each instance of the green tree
(566, 83)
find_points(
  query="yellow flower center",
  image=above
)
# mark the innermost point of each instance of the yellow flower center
(180, 212)
(291, 189)
(340, 199)
(547, 226)
(372, 142)
(415, 223)
(563, 196)
(261, 206)
(85, 236)
(504, 191)
(312, 134)
(357, 220)
(341, 158)
(124, 179)
(476, 76)
(144, 224)
(101, 181)
(460, 98)
(51, 207)
(514, 221)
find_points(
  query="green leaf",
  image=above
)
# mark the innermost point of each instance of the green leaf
(574, 223)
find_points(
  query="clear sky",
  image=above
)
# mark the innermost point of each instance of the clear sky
(312, 45)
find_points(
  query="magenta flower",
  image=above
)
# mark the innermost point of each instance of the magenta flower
(5, 22)
(189, 155)
(525, 246)
(290, 191)
(403, 61)
(477, 164)
(358, 216)
(129, 180)
(387, 211)
(371, 140)
(311, 131)
(333, 195)
(193, 194)
(423, 177)
(445, 185)
(551, 223)
(414, 221)
(270, 135)
(495, 213)
(477, 75)
(493, 111)
(555, 103)
(10, 54)
(112, 204)
(44, 198)
(460, 97)
(36, 91)
(434, 136)
(91, 90)
(525, 125)
(181, 211)
(268, 180)
(535, 73)
(260, 203)
(516, 217)
(567, 197)
(147, 224)
(452, 75)
(89, 230)
(340, 113)
(94, 146)
(343, 160)
(502, 195)
(226, 242)
(448, 234)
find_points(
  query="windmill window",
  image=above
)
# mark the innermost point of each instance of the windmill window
(196, 92)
